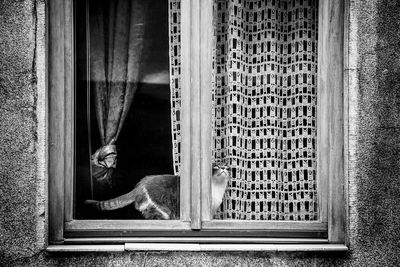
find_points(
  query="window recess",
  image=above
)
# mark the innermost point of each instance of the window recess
(255, 85)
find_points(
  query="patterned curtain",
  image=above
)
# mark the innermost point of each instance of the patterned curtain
(116, 41)
(264, 105)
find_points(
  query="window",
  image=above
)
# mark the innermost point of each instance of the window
(224, 101)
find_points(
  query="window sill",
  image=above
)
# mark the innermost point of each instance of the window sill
(195, 247)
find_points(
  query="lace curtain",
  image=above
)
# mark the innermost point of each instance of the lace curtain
(264, 105)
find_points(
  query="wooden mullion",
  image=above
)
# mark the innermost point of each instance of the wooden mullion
(69, 156)
(322, 113)
(206, 50)
(190, 21)
(195, 157)
(265, 225)
(124, 225)
(185, 172)
(56, 83)
(346, 19)
(336, 210)
(110, 234)
(330, 112)
(115, 232)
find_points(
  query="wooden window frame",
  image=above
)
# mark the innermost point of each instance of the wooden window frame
(196, 34)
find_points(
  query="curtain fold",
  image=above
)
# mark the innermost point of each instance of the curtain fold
(264, 106)
(116, 42)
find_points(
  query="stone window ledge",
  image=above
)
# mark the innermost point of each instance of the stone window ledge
(195, 247)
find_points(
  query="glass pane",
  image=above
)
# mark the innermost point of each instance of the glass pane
(123, 111)
(265, 101)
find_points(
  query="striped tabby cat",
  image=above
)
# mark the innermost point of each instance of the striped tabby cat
(157, 196)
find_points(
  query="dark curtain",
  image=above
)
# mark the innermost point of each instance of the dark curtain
(116, 42)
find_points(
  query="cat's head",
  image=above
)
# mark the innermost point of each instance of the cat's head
(220, 172)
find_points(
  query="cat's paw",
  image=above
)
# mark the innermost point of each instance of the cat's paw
(91, 202)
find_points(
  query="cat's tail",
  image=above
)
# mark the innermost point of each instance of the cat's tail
(114, 203)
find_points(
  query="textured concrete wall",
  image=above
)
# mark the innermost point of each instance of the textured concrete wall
(374, 146)
(21, 208)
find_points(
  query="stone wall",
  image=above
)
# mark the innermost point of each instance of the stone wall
(373, 165)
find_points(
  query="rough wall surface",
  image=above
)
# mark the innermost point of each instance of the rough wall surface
(374, 183)
(373, 156)
(18, 128)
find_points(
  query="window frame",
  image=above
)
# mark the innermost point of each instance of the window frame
(197, 45)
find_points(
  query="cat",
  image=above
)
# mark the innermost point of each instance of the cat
(157, 196)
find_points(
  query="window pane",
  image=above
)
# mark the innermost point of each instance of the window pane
(264, 105)
(123, 111)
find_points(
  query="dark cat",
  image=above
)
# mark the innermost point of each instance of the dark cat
(157, 196)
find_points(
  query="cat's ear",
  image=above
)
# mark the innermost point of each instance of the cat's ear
(112, 141)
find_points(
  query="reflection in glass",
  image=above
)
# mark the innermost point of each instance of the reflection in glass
(123, 123)
(264, 113)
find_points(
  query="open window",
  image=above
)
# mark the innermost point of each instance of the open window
(140, 88)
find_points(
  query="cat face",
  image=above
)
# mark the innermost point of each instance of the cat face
(220, 172)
